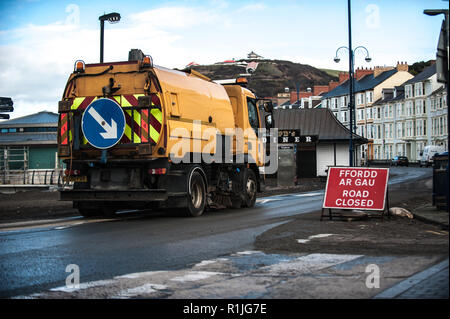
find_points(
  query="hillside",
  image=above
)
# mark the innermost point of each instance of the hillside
(271, 76)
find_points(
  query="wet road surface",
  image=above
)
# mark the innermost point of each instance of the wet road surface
(33, 259)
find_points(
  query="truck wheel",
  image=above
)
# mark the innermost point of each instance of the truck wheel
(250, 188)
(197, 195)
(247, 197)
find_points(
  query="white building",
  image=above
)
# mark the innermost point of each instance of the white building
(367, 89)
(410, 117)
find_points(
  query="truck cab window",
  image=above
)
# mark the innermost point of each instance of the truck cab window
(253, 114)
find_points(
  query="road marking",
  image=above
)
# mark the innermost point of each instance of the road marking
(248, 252)
(304, 241)
(406, 284)
(196, 275)
(68, 226)
(140, 274)
(267, 200)
(56, 224)
(437, 233)
(308, 194)
(209, 262)
(141, 290)
(84, 285)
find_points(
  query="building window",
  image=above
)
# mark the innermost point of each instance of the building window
(399, 130)
(369, 113)
(360, 115)
(418, 89)
(360, 98)
(409, 108)
(408, 91)
(369, 97)
(419, 127)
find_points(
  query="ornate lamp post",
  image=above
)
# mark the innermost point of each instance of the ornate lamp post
(351, 104)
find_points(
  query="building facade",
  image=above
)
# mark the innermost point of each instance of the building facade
(412, 117)
(398, 113)
(28, 149)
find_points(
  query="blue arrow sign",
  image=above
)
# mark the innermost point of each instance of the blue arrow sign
(103, 123)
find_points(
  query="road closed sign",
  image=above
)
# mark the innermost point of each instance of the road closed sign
(356, 188)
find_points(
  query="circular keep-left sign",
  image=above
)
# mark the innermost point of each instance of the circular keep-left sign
(103, 123)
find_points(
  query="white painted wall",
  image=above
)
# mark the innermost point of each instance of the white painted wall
(325, 156)
(342, 154)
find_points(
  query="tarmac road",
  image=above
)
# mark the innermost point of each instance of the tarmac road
(33, 259)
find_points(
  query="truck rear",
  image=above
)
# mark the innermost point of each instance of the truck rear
(134, 136)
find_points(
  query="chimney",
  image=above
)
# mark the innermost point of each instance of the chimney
(320, 89)
(380, 69)
(343, 76)
(402, 66)
(332, 85)
(360, 72)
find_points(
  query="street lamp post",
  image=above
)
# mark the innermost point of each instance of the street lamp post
(442, 58)
(351, 103)
(113, 17)
(351, 80)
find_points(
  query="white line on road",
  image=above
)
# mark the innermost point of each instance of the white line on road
(196, 275)
(84, 285)
(304, 241)
(141, 290)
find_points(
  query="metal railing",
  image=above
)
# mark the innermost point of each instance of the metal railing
(32, 177)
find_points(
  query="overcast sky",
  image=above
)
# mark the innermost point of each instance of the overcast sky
(40, 40)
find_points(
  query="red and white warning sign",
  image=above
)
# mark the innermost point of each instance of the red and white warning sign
(356, 188)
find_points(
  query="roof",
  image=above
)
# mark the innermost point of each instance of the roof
(422, 76)
(365, 83)
(400, 96)
(28, 138)
(316, 122)
(439, 90)
(44, 118)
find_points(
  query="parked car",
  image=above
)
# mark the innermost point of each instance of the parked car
(400, 161)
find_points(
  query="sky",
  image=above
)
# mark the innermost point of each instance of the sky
(40, 40)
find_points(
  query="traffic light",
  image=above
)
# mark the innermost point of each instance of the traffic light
(6, 105)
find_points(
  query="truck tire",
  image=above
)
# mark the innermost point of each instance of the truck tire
(250, 189)
(247, 197)
(197, 195)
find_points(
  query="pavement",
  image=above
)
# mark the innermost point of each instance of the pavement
(430, 214)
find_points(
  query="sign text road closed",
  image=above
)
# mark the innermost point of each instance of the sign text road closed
(356, 188)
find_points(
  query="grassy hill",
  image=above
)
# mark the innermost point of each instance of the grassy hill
(271, 76)
(331, 72)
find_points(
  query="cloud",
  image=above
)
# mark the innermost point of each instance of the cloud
(251, 8)
(36, 60)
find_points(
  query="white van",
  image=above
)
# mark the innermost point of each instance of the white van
(426, 156)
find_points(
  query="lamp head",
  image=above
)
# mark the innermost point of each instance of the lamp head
(113, 17)
(336, 59)
(368, 59)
